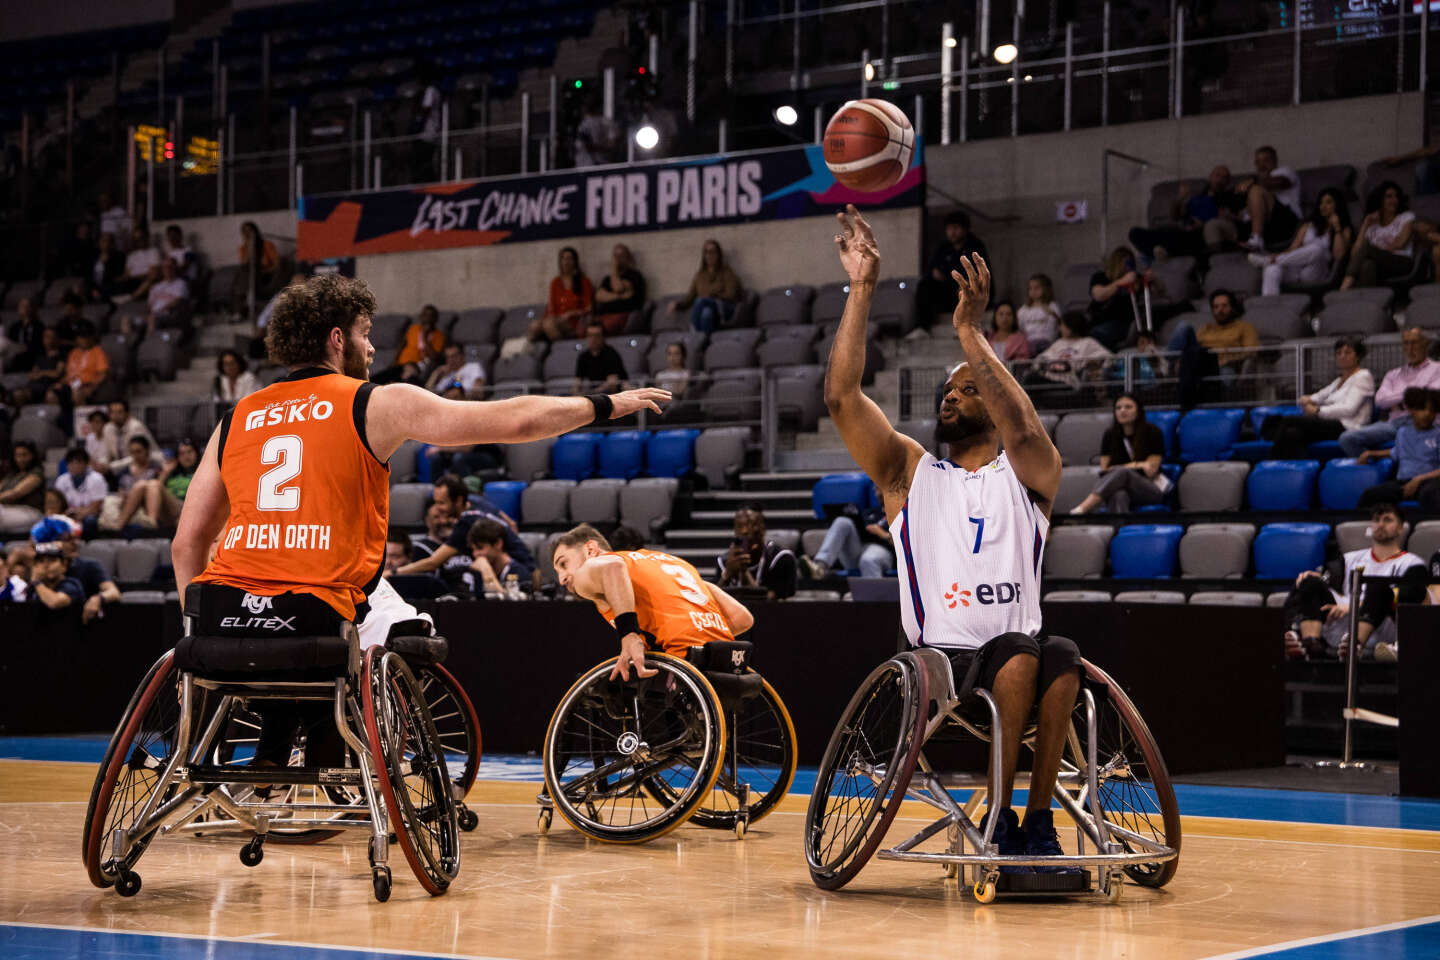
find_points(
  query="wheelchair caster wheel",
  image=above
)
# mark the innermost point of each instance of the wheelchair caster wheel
(252, 853)
(952, 871)
(127, 884)
(468, 819)
(984, 892)
(742, 827)
(381, 882)
(1115, 890)
(542, 823)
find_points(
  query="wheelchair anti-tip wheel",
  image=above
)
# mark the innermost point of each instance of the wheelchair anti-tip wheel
(627, 762)
(760, 759)
(865, 771)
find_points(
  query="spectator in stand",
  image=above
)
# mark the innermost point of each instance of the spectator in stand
(121, 428)
(22, 488)
(168, 300)
(452, 496)
(469, 375)
(1385, 248)
(1149, 364)
(676, 375)
(255, 248)
(1130, 456)
(568, 306)
(714, 292)
(1040, 317)
(50, 585)
(937, 290)
(1323, 239)
(26, 334)
(1073, 357)
(1111, 312)
(858, 539)
(1417, 457)
(397, 553)
(94, 434)
(421, 350)
(439, 522)
(233, 379)
(183, 256)
(48, 369)
(114, 221)
(133, 478)
(621, 291)
(1272, 201)
(1427, 167)
(599, 365)
(174, 482)
(77, 253)
(1417, 371)
(87, 367)
(1218, 349)
(1005, 336)
(753, 561)
(14, 580)
(84, 490)
(1342, 404)
(142, 264)
(597, 136)
(106, 272)
(1206, 221)
(491, 567)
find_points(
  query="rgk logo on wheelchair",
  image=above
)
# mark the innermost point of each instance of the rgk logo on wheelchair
(257, 605)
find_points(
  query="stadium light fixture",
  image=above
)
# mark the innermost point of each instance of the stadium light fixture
(787, 115)
(647, 137)
(869, 72)
(1006, 52)
(951, 42)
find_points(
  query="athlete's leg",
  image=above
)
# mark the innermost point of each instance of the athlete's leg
(1059, 682)
(387, 608)
(1014, 691)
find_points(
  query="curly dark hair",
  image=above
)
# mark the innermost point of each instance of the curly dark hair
(305, 313)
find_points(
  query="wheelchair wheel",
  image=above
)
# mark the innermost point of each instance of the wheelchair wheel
(410, 764)
(1135, 790)
(865, 771)
(455, 723)
(759, 754)
(627, 762)
(135, 758)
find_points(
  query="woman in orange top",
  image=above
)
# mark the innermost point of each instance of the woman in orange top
(571, 297)
(253, 245)
(428, 326)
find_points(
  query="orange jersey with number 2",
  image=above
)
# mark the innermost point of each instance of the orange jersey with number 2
(671, 601)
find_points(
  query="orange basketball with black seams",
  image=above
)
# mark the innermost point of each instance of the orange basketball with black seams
(868, 145)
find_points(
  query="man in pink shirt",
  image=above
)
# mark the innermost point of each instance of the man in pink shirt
(1418, 371)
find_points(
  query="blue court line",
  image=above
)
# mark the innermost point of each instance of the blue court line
(1408, 940)
(37, 942)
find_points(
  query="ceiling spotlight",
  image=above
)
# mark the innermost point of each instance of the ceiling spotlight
(951, 42)
(787, 115)
(1028, 78)
(1006, 52)
(646, 137)
(869, 72)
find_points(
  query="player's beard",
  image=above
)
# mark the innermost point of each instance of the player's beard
(354, 362)
(962, 430)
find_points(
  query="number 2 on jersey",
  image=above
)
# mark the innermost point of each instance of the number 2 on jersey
(285, 451)
(689, 589)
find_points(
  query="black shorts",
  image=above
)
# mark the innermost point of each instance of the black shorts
(978, 668)
(218, 610)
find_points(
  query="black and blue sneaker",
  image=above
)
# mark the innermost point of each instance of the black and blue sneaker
(1041, 840)
(1009, 839)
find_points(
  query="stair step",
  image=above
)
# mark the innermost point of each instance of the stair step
(785, 476)
(762, 497)
(772, 517)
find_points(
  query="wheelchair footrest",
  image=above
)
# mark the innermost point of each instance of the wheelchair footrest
(275, 776)
(1070, 882)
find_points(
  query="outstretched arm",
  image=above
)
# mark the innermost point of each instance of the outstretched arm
(1031, 452)
(207, 507)
(736, 613)
(605, 580)
(886, 455)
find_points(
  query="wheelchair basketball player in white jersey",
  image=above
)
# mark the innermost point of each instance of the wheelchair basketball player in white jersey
(969, 530)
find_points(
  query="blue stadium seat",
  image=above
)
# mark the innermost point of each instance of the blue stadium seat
(838, 488)
(622, 454)
(1325, 450)
(1167, 421)
(1145, 551)
(671, 453)
(573, 456)
(1209, 434)
(1258, 414)
(1173, 471)
(875, 502)
(1282, 550)
(1343, 480)
(1252, 451)
(1282, 484)
(505, 494)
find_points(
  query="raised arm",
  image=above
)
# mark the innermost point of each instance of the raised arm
(1031, 452)
(605, 580)
(887, 456)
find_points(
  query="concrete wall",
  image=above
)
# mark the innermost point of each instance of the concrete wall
(219, 237)
(1025, 176)
(21, 19)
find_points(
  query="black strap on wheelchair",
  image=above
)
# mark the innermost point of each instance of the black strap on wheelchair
(722, 656)
(419, 650)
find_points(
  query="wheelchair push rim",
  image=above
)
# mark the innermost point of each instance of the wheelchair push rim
(877, 741)
(455, 722)
(761, 743)
(634, 742)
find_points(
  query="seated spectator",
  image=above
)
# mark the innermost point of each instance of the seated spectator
(96, 585)
(1417, 457)
(1318, 608)
(87, 367)
(1206, 221)
(439, 523)
(1040, 317)
(599, 365)
(1111, 311)
(233, 379)
(84, 490)
(169, 297)
(184, 257)
(421, 350)
(469, 375)
(1417, 371)
(48, 368)
(452, 497)
(1073, 358)
(1130, 456)
(106, 273)
(858, 539)
(121, 428)
(753, 561)
(114, 220)
(714, 292)
(676, 375)
(175, 480)
(1149, 364)
(132, 481)
(397, 553)
(1323, 239)
(492, 571)
(621, 291)
(14, 578)
(142, 264)
(1272, 201)
(568, 306)
(25, 334)
(937, 291)
(255, 248)
(1385, 248)
(1342, 404)
(94, 436)
(1220, 348)
(22, 488)
(50, 585)
(1005, 336)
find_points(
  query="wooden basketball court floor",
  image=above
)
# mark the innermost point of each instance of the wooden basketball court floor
(1262, 873)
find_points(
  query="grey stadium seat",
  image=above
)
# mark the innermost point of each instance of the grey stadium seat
(102, 552)
(142, 596)
(1213, 485)
(784, 538)
(38, 423)
(521, 366)
(528, 461)
(384, 357)
(596, 501)
(1277, 599)
(734, 395)
(694, 349)
(162, 549)
(1077, 596)
(1075, 483)
(387, 331)
(1423, 313)
(800, 391)
(633, 360)
(1353, 316)
(893, 307)
(775, 353)
(516, 321)
(1383, 297)
(534, 541)
(811, 540)
(1216, 551)
(921, 431)
(483, 354)
(1078, 436)
(1049, 421)
(890, 585)
(1352, 535)
(560, 386)
(407, 503)
(662, 320)
(157, 354)
(720, 454)
(547, 502)
(639, 342)
(502, 389)
(1294, 303)
(1073, 290)
(1425, 540)
(731, 349)
(1424, 291)
(23, 290)
(1150, 596)
(1226, 598)
(1241, 277)
(1077, 551)
(784, 305)
(403, 463)
(1272, 324)
(1341, 176)
(135, 562)
(829, 302)
(1173, 280)
(477, 325)
(560, 361)
(646, 500)
(808, 332)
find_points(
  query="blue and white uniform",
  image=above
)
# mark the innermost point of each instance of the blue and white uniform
(969, 547)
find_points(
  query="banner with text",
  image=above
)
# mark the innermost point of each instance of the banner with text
(764, 185)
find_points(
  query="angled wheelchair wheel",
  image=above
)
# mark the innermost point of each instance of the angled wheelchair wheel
(1135, 790)
(455, 723)
(410, 763)
(130, 773)
(759, 757)
(627, 762)
(865, 771)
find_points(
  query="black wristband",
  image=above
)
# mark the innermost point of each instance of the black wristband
(603, 406)
(626, 624)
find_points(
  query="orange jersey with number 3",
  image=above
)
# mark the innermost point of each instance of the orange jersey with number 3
(671, 601)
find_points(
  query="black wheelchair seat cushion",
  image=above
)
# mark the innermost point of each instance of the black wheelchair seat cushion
(722, 656)
(276, 659)
(419, 649)
(734, 689)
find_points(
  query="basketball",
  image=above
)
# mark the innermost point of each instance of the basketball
(868, 145)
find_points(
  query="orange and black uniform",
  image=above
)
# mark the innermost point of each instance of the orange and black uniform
(671, 602)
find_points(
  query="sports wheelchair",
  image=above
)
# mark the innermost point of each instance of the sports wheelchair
(168, 763)
(706, 739)
(1112, 784)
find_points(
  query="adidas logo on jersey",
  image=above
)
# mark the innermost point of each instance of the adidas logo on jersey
(985, 594)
